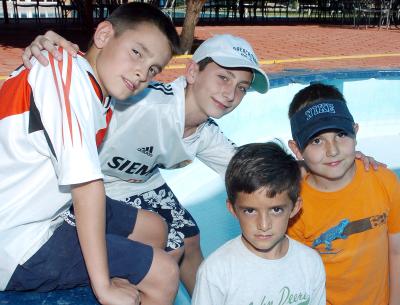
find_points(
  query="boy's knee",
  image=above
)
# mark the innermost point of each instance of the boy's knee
(167, 264)
(163, 275)
(150, 229)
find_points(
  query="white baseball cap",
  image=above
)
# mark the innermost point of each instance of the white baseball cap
(233, 52)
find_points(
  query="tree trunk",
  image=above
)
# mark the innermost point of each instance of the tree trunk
(88, 15)
(193, 10)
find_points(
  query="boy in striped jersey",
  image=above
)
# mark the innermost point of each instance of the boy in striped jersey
(51, 121)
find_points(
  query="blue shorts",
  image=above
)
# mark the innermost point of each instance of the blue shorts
(59, 262)
(162, 201)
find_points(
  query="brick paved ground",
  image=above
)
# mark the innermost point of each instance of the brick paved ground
(291, 47)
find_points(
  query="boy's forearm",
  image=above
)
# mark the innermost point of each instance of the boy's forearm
(89, 207)
(394, 269)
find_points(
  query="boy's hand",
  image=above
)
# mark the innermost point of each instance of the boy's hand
(49, 42)
(120, 292)
(369, 161)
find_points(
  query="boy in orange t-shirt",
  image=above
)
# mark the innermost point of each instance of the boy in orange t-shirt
(350, 216)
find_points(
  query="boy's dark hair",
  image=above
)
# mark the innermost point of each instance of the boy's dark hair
(128, 15)
(204, 62)
(263, 165)
(312, 94)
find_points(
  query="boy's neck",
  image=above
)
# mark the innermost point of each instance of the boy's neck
(194, 116)
(91, 56)
(325, 184)
(278, 251)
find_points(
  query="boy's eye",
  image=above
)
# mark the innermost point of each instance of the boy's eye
(342, 134)
(243, 89)
(223, 77)
(153, 71)
(249, 211)
(136, 52)
(276, 211)
(316, 141)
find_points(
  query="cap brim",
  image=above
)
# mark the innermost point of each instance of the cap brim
(260, 81)
(321, 125)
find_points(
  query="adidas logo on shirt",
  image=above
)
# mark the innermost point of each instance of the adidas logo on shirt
(147, 150)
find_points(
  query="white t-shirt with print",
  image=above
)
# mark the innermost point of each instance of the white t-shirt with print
(146, 133)
(233, 275)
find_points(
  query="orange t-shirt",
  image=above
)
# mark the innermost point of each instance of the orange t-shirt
(349, 228)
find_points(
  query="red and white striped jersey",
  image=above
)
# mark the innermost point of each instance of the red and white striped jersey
(50, 120)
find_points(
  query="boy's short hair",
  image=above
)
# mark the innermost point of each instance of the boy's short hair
(127, 16)
(263, 166)
(315, 109)
(232, 52)
(313, 93)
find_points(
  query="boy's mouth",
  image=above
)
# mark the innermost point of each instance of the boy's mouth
(131, 86)
(263, 236)
(219, 104)
(333, 164)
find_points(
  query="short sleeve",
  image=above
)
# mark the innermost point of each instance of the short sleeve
(215, 149)
(66, 110)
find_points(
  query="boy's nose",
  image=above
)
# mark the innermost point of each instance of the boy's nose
(332, 149)
(142, 73)
(264, 223)
(228, 92)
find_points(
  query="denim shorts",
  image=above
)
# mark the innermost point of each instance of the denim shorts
(59, 262)
(162, 201)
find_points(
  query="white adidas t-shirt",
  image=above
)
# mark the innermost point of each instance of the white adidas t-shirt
(146, 133)
(234, 275)
(48, 125)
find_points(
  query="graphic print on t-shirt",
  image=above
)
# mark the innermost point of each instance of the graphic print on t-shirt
(345, 228)
(285, 297)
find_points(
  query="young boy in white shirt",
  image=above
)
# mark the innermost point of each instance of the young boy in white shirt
(262, 265)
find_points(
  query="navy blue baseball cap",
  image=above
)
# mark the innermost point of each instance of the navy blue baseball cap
(322, 115)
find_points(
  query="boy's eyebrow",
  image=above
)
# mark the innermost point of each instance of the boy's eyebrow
(234, 76)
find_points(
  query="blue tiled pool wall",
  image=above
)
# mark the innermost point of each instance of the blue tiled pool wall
(261, 118)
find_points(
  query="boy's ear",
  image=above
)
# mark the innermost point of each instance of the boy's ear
(231, 208)
(355, 127)
(297, 206)
(104, 32)
(295, 149)
(192, 69)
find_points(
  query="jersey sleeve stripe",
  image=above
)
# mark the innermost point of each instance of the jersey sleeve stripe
(66, 89)
(51, 60)
(66, 86)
